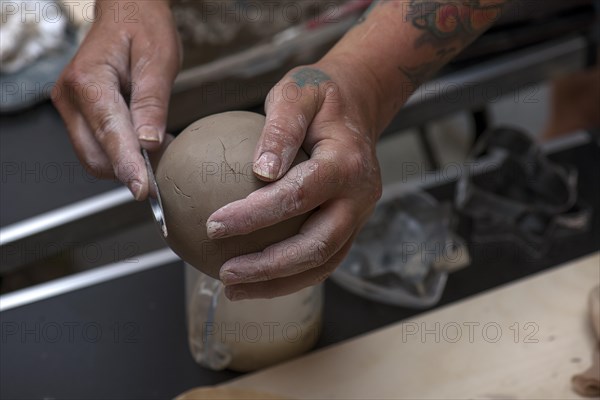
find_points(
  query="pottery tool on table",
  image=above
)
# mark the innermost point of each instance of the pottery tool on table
(587, 384)
(154, 196)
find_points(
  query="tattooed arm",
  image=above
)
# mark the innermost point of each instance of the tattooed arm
(403, 43)
(335, 109)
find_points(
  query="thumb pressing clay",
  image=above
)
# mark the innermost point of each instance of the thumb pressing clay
(206, 167)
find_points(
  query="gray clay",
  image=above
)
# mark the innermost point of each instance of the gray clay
(206, 167)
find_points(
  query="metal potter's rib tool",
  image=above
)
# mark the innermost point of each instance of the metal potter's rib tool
(154, 196)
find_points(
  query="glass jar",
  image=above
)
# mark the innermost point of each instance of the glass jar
(249, 334)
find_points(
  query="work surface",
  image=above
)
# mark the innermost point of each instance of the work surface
(521, 341)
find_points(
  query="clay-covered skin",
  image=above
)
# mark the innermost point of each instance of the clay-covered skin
(206, 167)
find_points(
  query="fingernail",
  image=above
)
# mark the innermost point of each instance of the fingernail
(149, 134)
(267, 166)
(229, 277)
(234, 294)
(136, 189)
(215, 229)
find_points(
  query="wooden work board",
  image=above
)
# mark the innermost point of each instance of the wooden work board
(520, 341)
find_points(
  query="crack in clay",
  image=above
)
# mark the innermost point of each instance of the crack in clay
(225, 157)
(177, 189)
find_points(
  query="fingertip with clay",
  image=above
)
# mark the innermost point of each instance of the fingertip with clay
(216, 229)
(267, 167)
(230, 277)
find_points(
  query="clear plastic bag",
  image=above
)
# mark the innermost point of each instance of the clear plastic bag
(249, 334)
(403, 254)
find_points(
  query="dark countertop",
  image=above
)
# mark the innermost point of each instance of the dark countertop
(126, 338)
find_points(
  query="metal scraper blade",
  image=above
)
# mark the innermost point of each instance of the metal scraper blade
(154, 196)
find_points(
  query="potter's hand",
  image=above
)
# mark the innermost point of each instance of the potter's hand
(335, 110)
(114, 94)
(320, 108)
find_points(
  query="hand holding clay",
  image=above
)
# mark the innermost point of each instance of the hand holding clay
(321, 109)
(208, 166)
(132, 52)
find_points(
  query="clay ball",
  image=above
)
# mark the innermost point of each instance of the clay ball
(206, 167)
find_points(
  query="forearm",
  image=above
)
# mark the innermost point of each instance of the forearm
(399, 44)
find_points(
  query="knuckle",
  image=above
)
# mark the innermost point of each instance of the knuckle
(362, 171)
(284, 132)
(147, 102)
(320, 253)
(248, 221)
(327, 172)
(97, 170)
(95, 166)
(294, 199)
(106, 125)
(73, 76)
(357, 163)
(125, 169)
(373, 179)
(267, 273)
(56, 95)
(377, 191)
(351, 169)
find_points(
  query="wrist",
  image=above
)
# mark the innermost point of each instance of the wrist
(375, 98)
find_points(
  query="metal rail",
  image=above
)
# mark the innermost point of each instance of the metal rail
(85, 279)
(78, 222)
